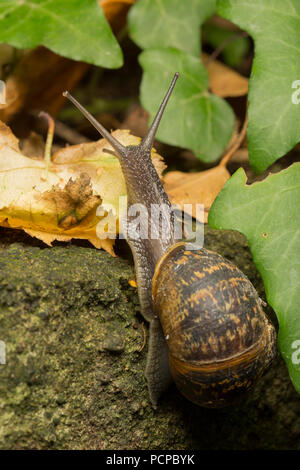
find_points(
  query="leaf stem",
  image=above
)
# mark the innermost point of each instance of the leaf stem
(222, 46)
(48, 146)
(236, 145)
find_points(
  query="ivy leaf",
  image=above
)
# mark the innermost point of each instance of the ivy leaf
(274, 110)
(267, 213)
(194, 118)
(169, 23)
(72, 28)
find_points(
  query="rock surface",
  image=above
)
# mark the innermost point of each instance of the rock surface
(75, 359)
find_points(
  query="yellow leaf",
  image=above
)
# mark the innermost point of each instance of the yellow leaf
(63, 203)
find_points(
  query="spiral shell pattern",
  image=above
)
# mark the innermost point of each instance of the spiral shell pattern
(220, 341)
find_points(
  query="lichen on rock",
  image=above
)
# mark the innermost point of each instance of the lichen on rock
(74, 374)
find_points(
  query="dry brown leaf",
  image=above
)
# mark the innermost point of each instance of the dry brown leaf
(136, 119)
(7, 137)
(116, 11)
(241, 157)
(72, 202)
(38, 81)
(203, 187)
(63, 203)
(195, 188)
(33, 146)
(224, 81)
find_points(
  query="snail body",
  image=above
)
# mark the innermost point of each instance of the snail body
(208, 331)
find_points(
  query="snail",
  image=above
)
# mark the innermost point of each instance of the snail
(208, 331)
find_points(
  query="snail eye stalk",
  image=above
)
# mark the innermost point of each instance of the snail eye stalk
(147, 142)
(119, 148)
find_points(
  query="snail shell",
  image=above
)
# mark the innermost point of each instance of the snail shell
(219, 339)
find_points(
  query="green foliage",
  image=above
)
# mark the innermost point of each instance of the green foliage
(169, 30)
(274, 119)
(169, 23)
(236, 49)
(194, 118)
(72, 28)
(267, 213)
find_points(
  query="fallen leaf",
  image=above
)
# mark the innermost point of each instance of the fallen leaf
(33, 146)
(116, 11)
(189, 189)
(38, 80)
(63, 203)
(241, 157)
(223, 80)
(195, 188)
(72, 202)
(136, 119)
(132, 282)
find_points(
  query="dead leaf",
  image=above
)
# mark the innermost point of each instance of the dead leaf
(132, 282)
(38, 80)
(136, 119)
(223, 80)
(33, 146)
(241, 157)
(7, 137)
(203, 187)
(72, 202)
(116, 11)
(195, 188)
(62, 204)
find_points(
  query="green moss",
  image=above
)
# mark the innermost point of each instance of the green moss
(74, 377)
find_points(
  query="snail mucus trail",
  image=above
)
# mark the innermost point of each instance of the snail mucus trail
(208, 331)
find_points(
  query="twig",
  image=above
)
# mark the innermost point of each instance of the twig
(236, 145)
(68, 134)
(222, 46)
(60, 129)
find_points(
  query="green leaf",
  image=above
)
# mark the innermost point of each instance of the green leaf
(234, 52)
(274, 119)
(169, 23)
(194, 118)
(73, 28)
(268, 214)
(169, 30)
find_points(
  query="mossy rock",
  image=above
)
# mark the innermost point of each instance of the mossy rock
(75, 360)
